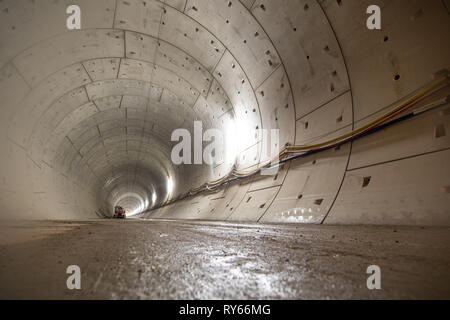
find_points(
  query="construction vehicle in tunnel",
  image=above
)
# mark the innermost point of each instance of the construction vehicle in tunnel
(119, 213)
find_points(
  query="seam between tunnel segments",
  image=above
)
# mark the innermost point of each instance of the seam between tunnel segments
(281, 61)
(114, 16)
(244, 72)
(293, 97)
(237, 61)
(320, 137)
(251, 5)
(152, 84)
(101, 141)
(233, 112)
(217, 64)
(84, 85)
(270, 75)
(353, 126)
(52, 37)
(82, 159)
(324, 104)
(291, 92)
(189, 55)
(353, 112)
(154, 62)
(169, 43)
(155, 136)
(120, 65)
(125, 57)
(141, 142)
(237, 205)
(212, 74)
(96, 106)
(344, 174)
(399, 159)
(13, 65)
(277, 193)
(11, 61)
(120, 103)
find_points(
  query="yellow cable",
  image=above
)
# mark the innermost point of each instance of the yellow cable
(297, 148)
(403, 105)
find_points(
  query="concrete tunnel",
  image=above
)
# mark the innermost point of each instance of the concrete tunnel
(87, 115)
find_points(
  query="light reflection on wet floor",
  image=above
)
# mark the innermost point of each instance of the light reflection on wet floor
(136, 259)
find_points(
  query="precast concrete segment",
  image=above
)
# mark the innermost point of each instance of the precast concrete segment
(86, 115)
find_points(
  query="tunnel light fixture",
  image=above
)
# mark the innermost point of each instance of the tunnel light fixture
(169, 186)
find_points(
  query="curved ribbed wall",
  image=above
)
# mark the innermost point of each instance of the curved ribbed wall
(87, 115)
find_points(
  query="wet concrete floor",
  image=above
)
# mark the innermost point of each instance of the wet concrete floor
(155, 259)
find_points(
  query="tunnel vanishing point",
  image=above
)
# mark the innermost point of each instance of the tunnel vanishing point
(87, 114)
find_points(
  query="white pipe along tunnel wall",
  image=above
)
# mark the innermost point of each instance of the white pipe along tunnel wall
(86, 115)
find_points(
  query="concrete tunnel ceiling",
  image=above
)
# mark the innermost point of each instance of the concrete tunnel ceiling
(87, 114)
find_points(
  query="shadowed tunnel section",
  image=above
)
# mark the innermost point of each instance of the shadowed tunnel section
(87, 115)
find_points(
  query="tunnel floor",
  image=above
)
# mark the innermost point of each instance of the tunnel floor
(154, 259)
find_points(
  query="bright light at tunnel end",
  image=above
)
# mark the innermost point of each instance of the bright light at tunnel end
(133, 203)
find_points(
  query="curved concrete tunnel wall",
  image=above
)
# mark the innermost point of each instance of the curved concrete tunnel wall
(86, 115)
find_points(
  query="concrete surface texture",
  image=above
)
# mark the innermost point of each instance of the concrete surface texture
(86, 115)
(213, 260)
